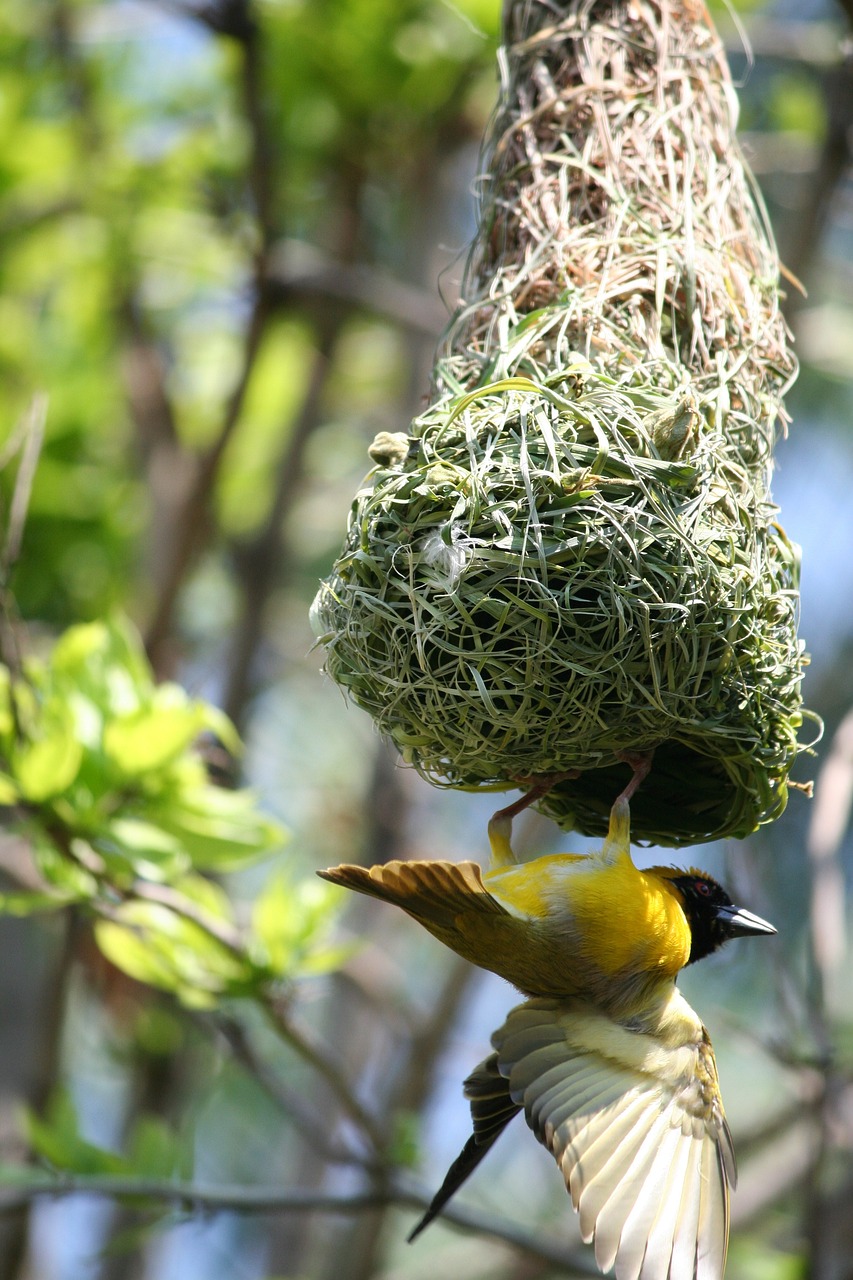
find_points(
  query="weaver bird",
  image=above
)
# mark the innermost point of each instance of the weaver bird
(613, 1069)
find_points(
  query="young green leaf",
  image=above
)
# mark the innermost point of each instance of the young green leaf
(48, 763)
(158, 946)
(56, 1138)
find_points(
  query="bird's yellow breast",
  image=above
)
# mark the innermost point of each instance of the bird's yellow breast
(608, 919)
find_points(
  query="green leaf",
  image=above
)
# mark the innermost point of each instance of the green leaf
(221, 830)
(76, 647)
(56, 1138)
(73, 881)
(154, 1150)
(28, 904)
(153, 736)
(9, 793)
(204, 893)
(152, 853)
(156, 945)
(292, 922)
(105, 660)
(405, 1147)
(47, 764)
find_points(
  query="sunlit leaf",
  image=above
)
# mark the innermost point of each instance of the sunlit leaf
(152, 736)
(47, 764)
(158, 946)
(205, 893)
(292, 922)
(28, 904)
(220, 829)
(104, 661)
(56, 1138)
(63, 872)
(153, 853)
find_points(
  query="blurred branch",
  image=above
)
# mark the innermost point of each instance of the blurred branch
(192, 521)
(235, 20)
(303, 274)
(52, 1018)
(311, 1123)
(835, 159)
(787, 1164)
(827, 948)
(259, 560)
(847, 6)
(317, 1057)
(144, 372)
(264, 161)
(78, 83)
(23, 218)
(407, 1094)
(231, 18)
(830, 819)
(200, 1197)
(27, 439)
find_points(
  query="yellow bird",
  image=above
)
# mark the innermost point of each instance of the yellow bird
(613, 1069)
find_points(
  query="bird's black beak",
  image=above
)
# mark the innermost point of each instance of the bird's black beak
(739, 923)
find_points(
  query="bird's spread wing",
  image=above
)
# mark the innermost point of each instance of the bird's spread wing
(446, 897)
(492, 1108)
(636, 1125)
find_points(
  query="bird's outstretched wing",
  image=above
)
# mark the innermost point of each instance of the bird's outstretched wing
(635, 1123)
(447, 898)
(492, 1108)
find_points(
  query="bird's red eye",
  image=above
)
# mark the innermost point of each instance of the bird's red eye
(703, 887)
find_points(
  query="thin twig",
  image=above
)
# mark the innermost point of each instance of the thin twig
(304, 1118)
(27, 437)
(33, 439)
(164, 895)
(192, 520)
(230, 938)
(317, 1057)
(261, 560)
(299, 1040)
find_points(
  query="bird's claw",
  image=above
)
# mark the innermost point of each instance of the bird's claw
(500, 824)
(641, 763)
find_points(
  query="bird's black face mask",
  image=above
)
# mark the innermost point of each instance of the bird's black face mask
(712, 915)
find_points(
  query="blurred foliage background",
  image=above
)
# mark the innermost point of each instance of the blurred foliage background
(230, 233)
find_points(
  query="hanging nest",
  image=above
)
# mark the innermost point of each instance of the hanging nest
(572, 555)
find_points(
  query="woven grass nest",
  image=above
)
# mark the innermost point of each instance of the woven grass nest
(572, 554)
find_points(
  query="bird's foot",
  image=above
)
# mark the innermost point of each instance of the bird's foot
(500, 824)
(641, 763)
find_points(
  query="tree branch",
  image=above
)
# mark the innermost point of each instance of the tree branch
(260, 559)
(235, 20)
(201, 1197)
(302, 273)
(308, 1120)
(192, 520)
(316, 1056)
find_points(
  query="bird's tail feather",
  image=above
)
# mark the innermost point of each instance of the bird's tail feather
(492, 1108)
